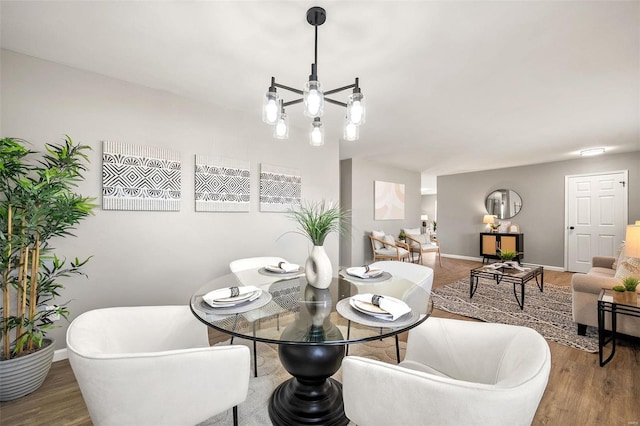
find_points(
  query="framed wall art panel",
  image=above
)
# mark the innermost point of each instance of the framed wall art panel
(388, 200)
(280, 188)
(138, 177)
(222, 184)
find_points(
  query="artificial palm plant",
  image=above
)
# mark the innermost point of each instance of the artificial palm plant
(37, 204)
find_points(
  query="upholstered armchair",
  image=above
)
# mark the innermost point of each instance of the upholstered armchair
(384, 247)
(153, 365)
(455, 372)
(422, 243)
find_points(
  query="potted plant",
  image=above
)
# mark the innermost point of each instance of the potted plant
(619, 294)
(508, 256)
(315, 221)
(37, 204)
(630, 284)
(402, 236)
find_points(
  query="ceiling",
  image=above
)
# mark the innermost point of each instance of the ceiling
(450, 86)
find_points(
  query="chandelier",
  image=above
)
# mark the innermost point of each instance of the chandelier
(314, 98)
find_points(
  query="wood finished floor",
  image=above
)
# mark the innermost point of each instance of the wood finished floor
(579, 391)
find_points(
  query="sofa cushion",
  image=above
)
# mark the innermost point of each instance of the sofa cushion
(389, 241)
(617, 255)
(627, 266)
(412, 231)
(378, 234)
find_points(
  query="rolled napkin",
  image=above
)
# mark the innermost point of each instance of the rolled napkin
(363, 272)
(284, 267)
(229, 294)
(395, 307)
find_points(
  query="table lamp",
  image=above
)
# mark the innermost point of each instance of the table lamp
(424, 218)
(632, 244)
(489, 220)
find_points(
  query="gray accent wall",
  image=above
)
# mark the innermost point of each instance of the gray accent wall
(357, 193)
(155, 258)
(542, 188)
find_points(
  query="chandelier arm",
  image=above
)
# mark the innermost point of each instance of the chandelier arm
(333, 101)
(291, 89)
(340, 89)
(293, 102)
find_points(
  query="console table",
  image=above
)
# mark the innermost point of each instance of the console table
(492, 242)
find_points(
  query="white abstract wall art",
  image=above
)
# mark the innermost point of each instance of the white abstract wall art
(389, 200)
(280, 188)
(138, 177)
(222, 184)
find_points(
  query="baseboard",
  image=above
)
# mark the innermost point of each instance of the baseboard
(60, 354)
(479, 259)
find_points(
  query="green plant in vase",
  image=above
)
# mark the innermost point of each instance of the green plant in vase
(508, 255)
(316, 220)
(619, 294)
(402, 236)
(37, 204)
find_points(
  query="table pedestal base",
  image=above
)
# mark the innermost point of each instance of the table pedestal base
(297, 403)
(311, 397)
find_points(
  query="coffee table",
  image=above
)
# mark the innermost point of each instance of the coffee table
(508, 275)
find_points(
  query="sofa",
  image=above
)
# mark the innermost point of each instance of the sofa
(605, 272)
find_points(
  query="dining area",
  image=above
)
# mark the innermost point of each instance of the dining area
(261, 300)
(313, 327)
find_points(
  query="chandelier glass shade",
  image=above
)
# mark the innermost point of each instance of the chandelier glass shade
(314, 99)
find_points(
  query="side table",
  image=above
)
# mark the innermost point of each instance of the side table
(606, 304)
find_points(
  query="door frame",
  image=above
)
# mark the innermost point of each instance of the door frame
(625, 206)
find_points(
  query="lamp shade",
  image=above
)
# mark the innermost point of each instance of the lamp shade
(488, 219)
(356, 109)
(351, 131)
(313, 99)
(424, 217)
(317, 133)
(632, 244)
(270, 107)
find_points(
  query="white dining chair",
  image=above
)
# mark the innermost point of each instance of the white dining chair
(152, 365)
(253, 263)
(455, 372)
(247, 271)
(417, 297)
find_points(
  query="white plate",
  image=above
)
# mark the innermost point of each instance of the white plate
(233, 301)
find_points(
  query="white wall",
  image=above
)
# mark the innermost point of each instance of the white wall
(148, 258)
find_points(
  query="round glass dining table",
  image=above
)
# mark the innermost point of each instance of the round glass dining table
(312, 328)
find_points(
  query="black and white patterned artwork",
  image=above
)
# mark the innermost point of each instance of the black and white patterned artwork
(138, 177)
(222, 184)
(280, 188)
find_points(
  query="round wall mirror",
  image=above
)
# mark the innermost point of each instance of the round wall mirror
(503, 203)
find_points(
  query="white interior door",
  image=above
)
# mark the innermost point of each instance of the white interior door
(595, 217)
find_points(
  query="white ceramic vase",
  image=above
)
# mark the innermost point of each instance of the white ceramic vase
(318, 268)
